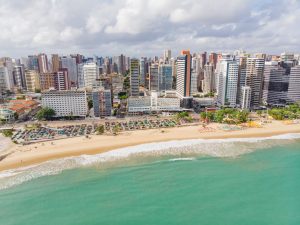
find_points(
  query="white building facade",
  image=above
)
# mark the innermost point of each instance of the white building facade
(66, 103)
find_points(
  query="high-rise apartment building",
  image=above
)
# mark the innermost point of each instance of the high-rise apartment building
(293, 95)
(61, 80)
(8, 63)
(134, 77)
(143, 71)
(245, 98)
(32, 79)
(213, 59)
(254, 79)
(90, 73)
(209, 82)
(276, 84)
(69, 63)
(165, 77)
(19, 77)
(183, 82)
(4, 79)
(47, 81)
(102, 102)
(227, 71)
(43, 63)
(153, 77)
(33, 62)
(167, 56)
(56, 63)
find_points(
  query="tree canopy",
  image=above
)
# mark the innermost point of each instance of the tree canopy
(45, 114)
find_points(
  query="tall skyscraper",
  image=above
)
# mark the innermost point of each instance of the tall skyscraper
(227, 71)
(153, 77)
(183, 82)
(213, 59)
(294, 85)
(242, 75)
(203, 57)
(209, 82)
(167, 56)
(165, 77)
(90, 74)
(134, 77)
(254, 79)
(276, 83)
(32, 80)
(43, 63)
(143, 70)
(8, 64)
(4, 79)
(33, 62)
(69, 63)
(56, 63)
(19, 77)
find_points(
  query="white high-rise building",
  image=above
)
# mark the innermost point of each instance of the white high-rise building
(183, 81)
(294, 85)
(227, 72)
(90, 74)
(245, 97)
(66, 103)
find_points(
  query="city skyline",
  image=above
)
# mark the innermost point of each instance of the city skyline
(115, 27)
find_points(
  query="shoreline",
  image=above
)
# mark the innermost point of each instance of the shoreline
(22, 156)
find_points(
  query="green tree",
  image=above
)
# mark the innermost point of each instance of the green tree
(45, 114)
(7, 133)
(116, 129)
(90, 103)
(16, 116)
(100, 130)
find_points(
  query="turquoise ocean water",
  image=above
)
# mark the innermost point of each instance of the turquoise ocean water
(206, 182)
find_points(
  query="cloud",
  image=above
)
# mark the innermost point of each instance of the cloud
(146, 27)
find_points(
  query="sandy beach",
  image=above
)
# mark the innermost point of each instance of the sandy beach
(20, 156)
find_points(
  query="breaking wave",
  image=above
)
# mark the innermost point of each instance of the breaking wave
(176, 151)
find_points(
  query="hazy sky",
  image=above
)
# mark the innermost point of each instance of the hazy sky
(146, 27)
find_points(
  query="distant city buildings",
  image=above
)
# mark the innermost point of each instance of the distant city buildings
(152, 84)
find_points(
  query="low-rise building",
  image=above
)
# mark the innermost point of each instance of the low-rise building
(6, 114)
(153, 103)
(21, 108)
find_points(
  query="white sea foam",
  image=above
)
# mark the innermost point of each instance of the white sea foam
(182, 159)
(181, 150)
